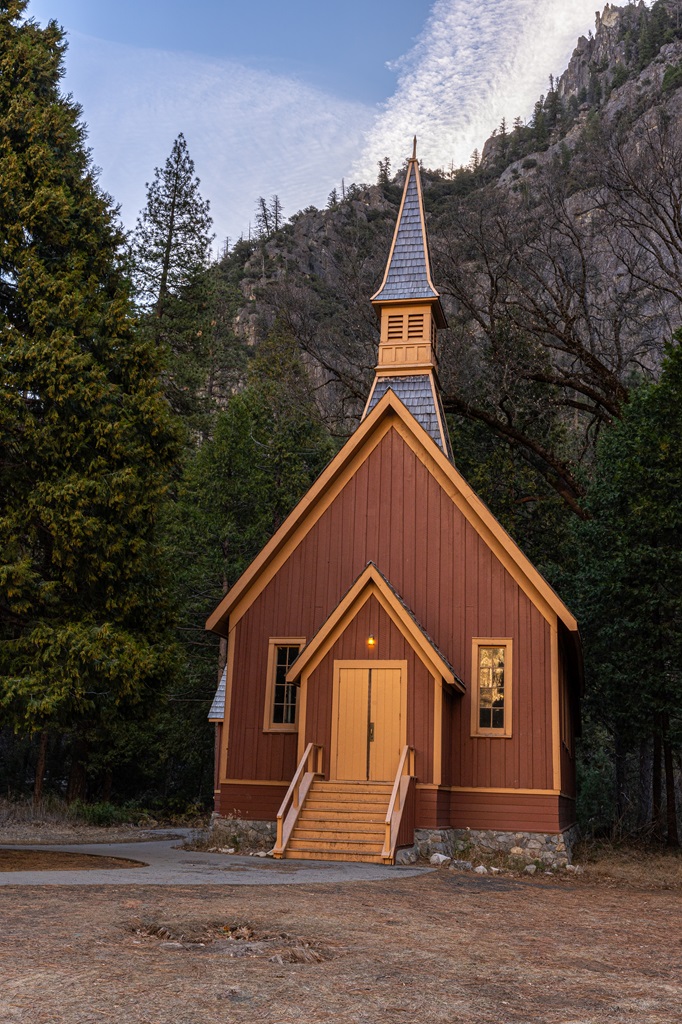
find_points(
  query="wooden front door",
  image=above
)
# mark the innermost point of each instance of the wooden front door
(368, 728)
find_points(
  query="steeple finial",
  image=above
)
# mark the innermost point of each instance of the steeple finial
(414, 148)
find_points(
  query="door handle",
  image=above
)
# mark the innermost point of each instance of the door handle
(371, 732)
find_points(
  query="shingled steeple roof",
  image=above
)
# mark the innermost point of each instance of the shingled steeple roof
(408, 272)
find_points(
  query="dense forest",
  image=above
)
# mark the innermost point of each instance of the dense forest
(161, 411)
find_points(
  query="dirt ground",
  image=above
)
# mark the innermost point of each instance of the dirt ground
(48, 860)
(442, 947)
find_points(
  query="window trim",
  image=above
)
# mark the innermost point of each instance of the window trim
(476, 644)
(273, 643)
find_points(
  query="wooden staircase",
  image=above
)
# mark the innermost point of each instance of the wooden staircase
(341, 821)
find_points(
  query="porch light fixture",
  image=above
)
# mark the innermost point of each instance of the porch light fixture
(371, 642)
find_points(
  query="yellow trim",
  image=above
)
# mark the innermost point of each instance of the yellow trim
(437, 731)
(436, 405)
(268, 724)
(302, 719)
(423, 369)
(476, 731)
(556, 723)
(491, 789)
(253, 782)
(229, 676)
(389, 412)
(299, 523)
(370, 583)
(546, 600)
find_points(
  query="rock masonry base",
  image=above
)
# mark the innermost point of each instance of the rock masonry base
(554, 851)
(243, 835)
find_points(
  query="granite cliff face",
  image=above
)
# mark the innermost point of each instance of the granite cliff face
(602, 52)
(558, 257)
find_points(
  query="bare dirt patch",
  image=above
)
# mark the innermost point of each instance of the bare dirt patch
(54, 860)
(440, 948)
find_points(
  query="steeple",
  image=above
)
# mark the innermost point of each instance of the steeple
(410, 313)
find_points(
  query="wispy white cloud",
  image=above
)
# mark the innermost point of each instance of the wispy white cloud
(475, 62)
(249, 132)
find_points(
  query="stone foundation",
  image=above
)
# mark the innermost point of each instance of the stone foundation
(554, 851)
(242, 835)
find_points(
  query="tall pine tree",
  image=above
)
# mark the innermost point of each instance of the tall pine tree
(86, 438)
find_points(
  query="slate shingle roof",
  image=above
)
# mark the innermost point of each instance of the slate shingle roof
(416, 394)
(218, 705)
(408, 275)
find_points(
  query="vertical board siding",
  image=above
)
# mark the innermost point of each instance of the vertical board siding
(568, 780)
(393, 512)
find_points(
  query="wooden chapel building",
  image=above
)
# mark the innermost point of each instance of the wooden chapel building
(394, 661)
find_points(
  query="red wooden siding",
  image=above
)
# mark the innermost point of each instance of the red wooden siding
(566, 812)
(393, 512)
(255, 803)
(391, 646)
(505, 812)
(567, 725)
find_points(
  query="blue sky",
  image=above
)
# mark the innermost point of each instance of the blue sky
(292, 96)
(337, 47)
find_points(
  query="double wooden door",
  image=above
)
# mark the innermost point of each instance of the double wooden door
(368, 729)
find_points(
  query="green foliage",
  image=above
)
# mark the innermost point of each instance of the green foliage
(173, 235)
(86, 437)
(620, 76)
(626, 580)
(672, 79)
(632, 550)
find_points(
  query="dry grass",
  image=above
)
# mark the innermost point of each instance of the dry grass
(643, 867)
(441, 948)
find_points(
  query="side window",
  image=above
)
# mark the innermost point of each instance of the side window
(281, 697)
(491, 689)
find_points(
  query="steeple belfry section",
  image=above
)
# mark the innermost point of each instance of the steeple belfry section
(410, 314)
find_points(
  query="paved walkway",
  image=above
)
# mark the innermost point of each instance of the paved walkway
(166, 863)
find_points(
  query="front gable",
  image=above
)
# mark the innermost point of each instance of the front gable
(390, 415)
(372, 584)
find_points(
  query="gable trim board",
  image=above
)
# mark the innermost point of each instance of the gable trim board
(388, 413)
(372, 583)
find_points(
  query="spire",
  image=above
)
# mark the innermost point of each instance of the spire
(410, 312)
(408, 272)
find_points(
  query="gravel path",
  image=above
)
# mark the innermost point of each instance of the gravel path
(166, 863)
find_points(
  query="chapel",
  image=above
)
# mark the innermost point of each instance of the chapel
(396, 666)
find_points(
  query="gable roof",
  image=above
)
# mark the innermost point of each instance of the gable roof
(419, 394)
(408, 272)
(387, 414)
(372, 583)
(217, 712)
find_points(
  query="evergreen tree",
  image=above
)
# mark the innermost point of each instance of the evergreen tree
(173, 236)
(185, 308)
(628, 584)
(86, 439)
(384, 176)
(267, 448)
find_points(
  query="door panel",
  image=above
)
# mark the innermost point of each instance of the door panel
(369, 731)
(385, 715)
(353, 715)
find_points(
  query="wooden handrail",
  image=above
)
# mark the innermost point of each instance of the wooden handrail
(309, 766)
(401, 788)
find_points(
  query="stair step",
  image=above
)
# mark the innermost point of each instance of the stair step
(341, 842)
(352, 787)
(329, 834)
(340, 855)
(347, 799)
(309, 818)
